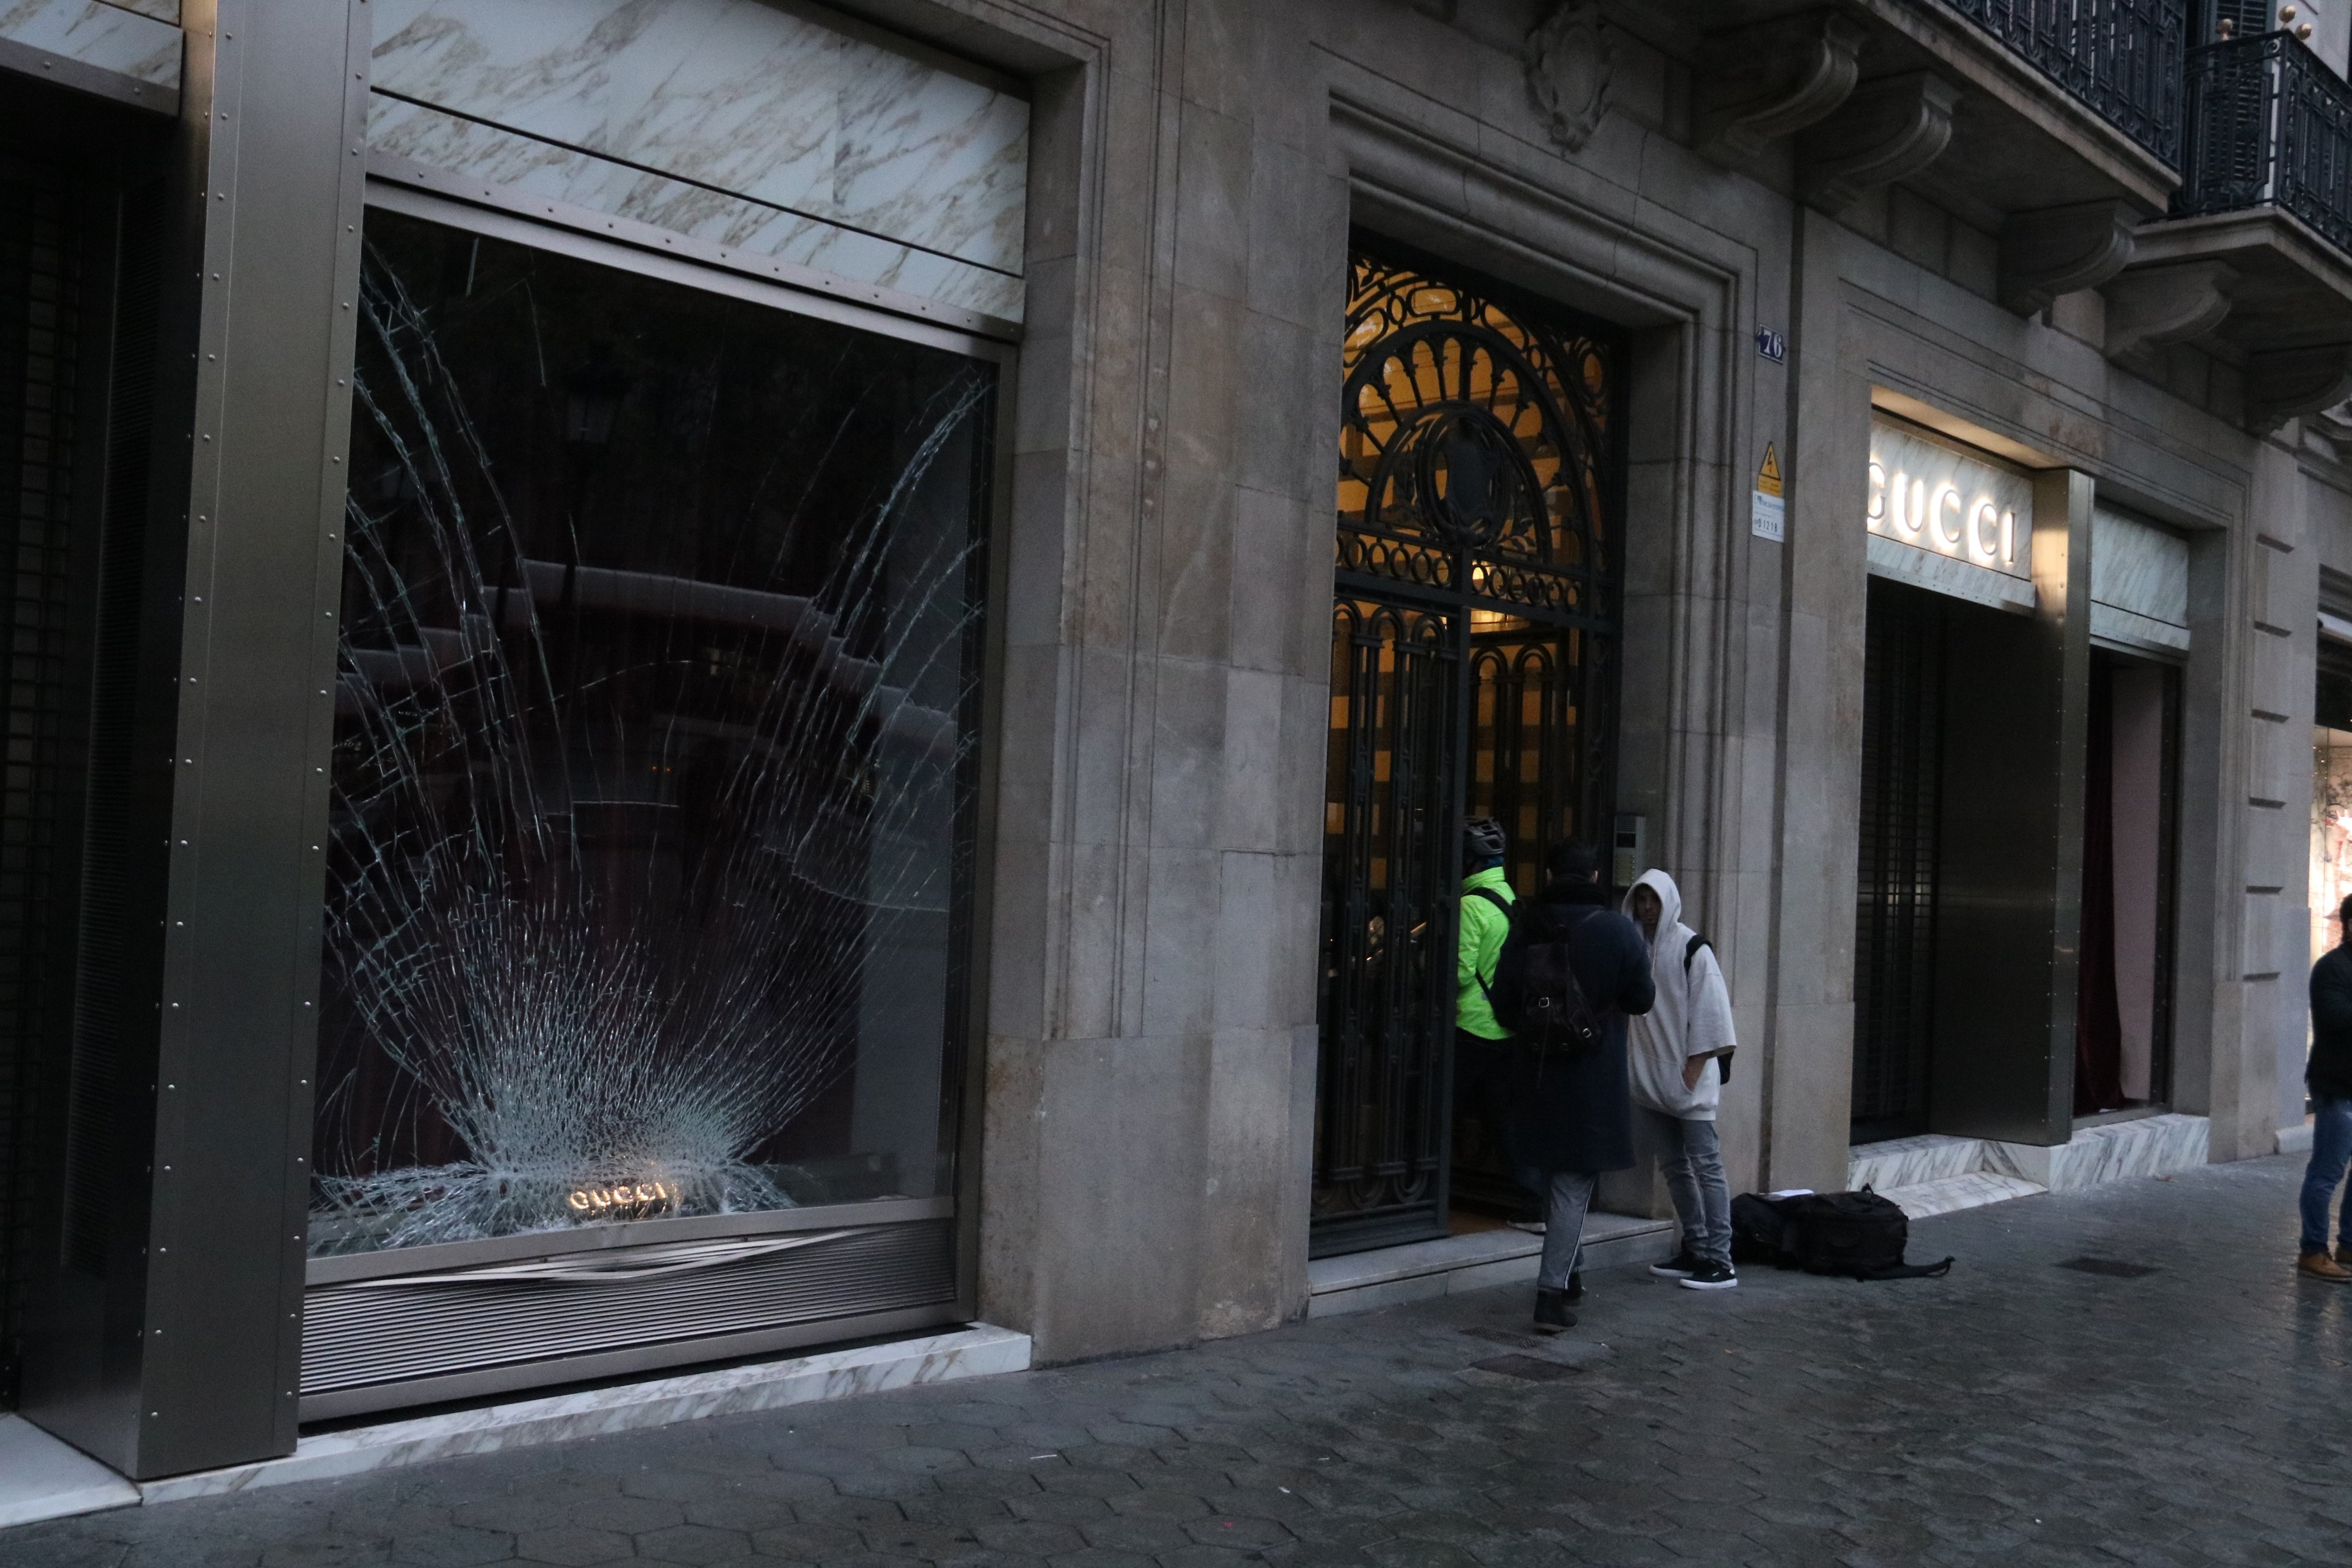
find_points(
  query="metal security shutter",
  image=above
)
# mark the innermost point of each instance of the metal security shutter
(1894, 884)
(41, 243)
(374, 1344)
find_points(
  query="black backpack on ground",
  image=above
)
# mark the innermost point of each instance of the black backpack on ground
(1535, 993)
(1854, 1236)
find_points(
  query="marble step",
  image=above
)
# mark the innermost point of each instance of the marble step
(42, 1477)
(1391, 1275)
(1907, 1161)
(1947, 1194)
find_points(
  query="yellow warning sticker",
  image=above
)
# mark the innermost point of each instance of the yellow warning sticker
(1768, 476)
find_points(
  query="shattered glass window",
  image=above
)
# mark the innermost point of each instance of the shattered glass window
(654, 767)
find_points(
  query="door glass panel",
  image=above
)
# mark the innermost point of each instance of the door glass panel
(652, 805)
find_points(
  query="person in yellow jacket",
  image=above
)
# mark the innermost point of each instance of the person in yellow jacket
(1485, 889)
(1478, 1037)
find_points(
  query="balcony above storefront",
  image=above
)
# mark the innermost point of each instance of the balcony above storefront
(2052, 125)
(2255, 264)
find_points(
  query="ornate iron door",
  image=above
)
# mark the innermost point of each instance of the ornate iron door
(1475, 613)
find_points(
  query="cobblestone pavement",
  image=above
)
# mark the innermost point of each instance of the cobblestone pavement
(2019, 1411)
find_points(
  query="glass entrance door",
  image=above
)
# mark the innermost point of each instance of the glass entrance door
(1475, 618)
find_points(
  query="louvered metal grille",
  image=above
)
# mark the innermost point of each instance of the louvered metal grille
(2122, 57)
(1895, 885)
(378, 1332)
(40, 319)
(2269, 125)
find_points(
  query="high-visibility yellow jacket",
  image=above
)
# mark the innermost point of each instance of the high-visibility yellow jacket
(1483, 927)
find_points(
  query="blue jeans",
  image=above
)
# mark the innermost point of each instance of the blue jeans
(2331, 1148)
(1692, 1158)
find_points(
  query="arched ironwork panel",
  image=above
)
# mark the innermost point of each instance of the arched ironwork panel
(1478, 516)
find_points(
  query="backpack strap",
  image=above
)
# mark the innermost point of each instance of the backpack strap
(1690, 951)
(1510, 918)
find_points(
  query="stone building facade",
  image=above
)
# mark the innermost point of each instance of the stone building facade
(1921, 424)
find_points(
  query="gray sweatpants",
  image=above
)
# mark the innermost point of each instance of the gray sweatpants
(1567, 1195)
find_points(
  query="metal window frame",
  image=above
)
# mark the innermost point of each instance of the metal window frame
(648, 252)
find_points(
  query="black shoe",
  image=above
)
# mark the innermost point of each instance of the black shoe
(1576, 1287)
(1711, 1276)
(1681, 1266)
(1551, 1313)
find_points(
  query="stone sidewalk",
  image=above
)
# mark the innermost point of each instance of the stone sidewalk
(2041, 1405)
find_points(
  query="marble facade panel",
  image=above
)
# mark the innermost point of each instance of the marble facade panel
(744, 98)
(133, 42)
(2151, 1146)
(529, 167)
(1907, 1161)
(2138, 567)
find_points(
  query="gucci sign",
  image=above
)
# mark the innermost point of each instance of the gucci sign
(1934, 496)
(622, 1199)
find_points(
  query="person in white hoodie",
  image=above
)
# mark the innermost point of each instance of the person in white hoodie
(1675, 1053)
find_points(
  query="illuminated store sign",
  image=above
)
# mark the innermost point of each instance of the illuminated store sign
(1931, 495)
(623, 1200)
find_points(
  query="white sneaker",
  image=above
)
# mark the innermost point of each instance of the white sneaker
(1532, 1227)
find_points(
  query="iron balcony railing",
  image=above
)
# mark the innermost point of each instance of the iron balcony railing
(2122, 57)
(2269, 125)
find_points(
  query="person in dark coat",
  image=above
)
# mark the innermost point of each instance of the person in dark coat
(1569, 1110)
(2329, 1077)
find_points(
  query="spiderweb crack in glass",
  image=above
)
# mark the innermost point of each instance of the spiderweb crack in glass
(652, 761)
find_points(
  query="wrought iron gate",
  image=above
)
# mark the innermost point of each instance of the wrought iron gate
(1472, 670)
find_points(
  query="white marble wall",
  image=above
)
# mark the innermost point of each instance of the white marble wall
(135, 40)
(2139, 568)
(523, 165)
(2152, 1146)
(720, 118)
(1907, 1162)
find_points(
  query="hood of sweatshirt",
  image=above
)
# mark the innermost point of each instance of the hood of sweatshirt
(1669, 916)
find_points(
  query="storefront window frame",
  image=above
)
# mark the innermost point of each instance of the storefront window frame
(967, 1054)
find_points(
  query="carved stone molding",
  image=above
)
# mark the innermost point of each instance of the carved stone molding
(2154, 306)
(2282, 384)
(2058, 250)
(1765, 82)
(1569, 58)
(1889, 130)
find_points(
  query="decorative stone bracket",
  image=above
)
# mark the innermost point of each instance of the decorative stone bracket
(1889, 130)
(1765, 82)
(2158, 305)
(2058, 250)
(1569, 58)
(2282, 384)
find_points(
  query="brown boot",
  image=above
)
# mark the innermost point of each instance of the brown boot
(2319, 1265)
